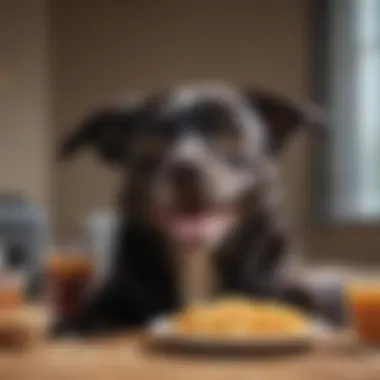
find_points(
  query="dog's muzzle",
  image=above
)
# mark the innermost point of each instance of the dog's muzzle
(191, 216)
(188, 188)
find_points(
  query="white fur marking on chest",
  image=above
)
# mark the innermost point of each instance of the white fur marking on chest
(197, 276)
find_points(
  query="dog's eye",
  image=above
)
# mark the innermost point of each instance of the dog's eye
(230, 147)
(216, 122)
(226, 143)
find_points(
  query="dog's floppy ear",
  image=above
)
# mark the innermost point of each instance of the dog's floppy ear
(106, 131)
(282, 116)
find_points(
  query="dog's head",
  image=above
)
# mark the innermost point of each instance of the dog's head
(196, 153)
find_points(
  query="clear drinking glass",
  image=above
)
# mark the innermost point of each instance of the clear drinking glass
(11, 290)
(69, 275)
(12, 284)
(363, 302)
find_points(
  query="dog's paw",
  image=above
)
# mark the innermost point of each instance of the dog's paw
(299, 298)
(59, 328)
(64, 328)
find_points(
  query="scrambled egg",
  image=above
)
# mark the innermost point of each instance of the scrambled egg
(237, 317)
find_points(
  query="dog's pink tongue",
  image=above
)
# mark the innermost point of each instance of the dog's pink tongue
(189, 228)
(198, 229)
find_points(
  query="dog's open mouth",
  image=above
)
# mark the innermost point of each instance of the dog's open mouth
(203, 229)
(206, 227)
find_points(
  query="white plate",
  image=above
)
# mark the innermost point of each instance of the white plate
(160, 332)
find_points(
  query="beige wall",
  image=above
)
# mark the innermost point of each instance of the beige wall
(24, 135)
(107, 48)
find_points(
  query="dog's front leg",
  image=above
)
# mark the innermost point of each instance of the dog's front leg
(261, 274)
(257, 272)
(118, 304)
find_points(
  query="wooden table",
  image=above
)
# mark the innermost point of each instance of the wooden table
(126, 357)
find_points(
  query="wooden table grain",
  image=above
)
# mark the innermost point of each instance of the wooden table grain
(127, 357)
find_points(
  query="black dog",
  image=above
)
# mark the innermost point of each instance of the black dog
(202, 203)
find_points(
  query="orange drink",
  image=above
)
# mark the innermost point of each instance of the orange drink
(364, 308)
(68, 278)
(10, 291)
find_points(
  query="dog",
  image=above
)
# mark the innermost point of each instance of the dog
(201, 204)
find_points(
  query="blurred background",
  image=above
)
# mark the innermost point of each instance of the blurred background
(61, 59)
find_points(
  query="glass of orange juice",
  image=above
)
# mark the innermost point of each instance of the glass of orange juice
(69, 272)
(11, 290)
(363, 299)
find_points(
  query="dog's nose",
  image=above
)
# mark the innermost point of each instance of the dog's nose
(188, 187)
(185, 175)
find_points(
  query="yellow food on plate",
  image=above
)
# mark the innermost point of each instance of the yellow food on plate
(239, 317)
